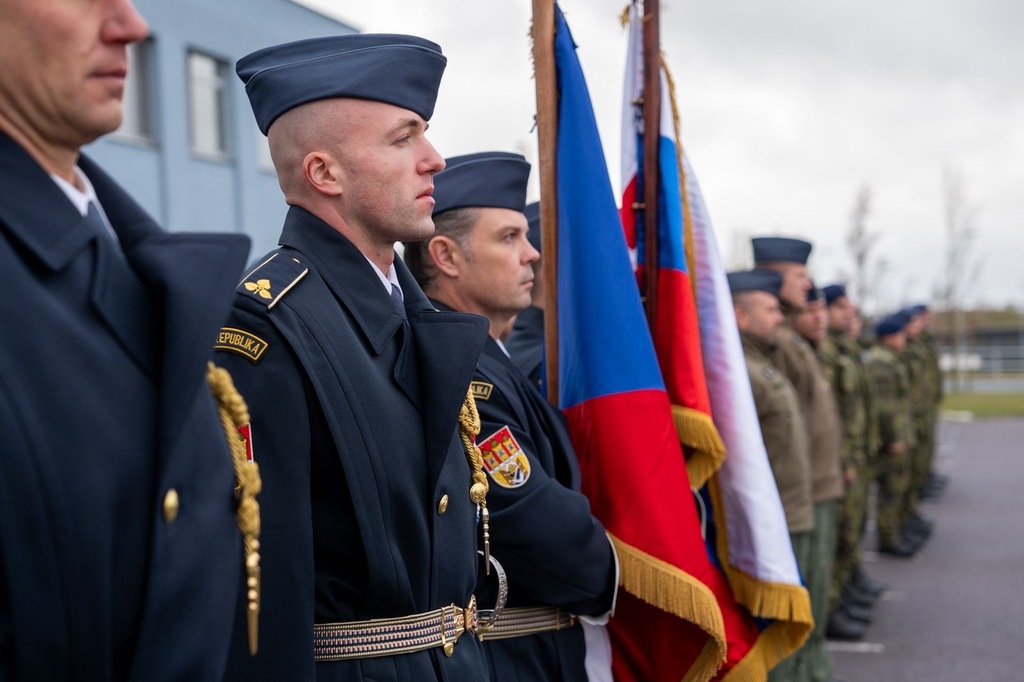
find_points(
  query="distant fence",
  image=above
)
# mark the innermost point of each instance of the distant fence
(984, 359)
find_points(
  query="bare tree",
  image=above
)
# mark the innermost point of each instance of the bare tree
(962, 267)
(739, 256)
(861, 242)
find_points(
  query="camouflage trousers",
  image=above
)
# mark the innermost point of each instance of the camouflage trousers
(849, 533)
(812, 662)
(923, 457)
(893, 485)
(792, 668)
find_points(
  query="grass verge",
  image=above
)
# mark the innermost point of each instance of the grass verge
(986, 405)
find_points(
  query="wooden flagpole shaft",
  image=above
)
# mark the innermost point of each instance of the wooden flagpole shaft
(543, 31)
(652, 125)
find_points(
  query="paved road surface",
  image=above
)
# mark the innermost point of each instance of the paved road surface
(955, 612)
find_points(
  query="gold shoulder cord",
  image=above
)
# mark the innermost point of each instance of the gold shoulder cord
(469, 428)
(234, 413)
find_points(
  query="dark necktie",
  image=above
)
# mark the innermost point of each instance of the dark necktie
(120, 296)
(398, 300)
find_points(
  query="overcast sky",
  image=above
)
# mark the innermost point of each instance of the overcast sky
(788, 108)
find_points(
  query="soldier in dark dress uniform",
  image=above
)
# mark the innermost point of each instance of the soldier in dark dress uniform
(357, 386)
(526, 342)
(559, 560)
(120, 557)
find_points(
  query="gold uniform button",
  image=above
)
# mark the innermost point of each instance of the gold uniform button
(442, 506)
(171, 504)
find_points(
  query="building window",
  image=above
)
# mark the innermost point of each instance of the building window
(263, 158)
(208, 103)
(137, 121)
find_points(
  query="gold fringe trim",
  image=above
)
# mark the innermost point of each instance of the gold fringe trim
(788, 605)
(234, 413)
(697, 432)
(674, 591)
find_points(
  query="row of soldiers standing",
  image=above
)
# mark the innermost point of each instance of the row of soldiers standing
(838, 411)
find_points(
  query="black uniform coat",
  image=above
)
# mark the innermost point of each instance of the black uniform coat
(526, 343)
(554, 551)
(104, 407)
(354, 426)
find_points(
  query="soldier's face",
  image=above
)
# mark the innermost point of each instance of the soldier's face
(386, 170)
(758, 313)
(496, 267)
(64, 67)
(811, 321)
(896, 341)
(795, 284)
(841, 313)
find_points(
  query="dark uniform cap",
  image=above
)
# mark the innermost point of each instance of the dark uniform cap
(768, 249)
(833, 292)
(395, 69)
(917, 309)
(814, 293)
(483, 180)
(891, 324)
(767, 281)
(907, 313)
(532, 212)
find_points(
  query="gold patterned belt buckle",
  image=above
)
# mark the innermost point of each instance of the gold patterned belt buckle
(466, 620)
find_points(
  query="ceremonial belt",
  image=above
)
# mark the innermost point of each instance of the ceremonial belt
(517, 622)
(391, 636)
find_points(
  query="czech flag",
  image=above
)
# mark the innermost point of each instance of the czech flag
(667, 624)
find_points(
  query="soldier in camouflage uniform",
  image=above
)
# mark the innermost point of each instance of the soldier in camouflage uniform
(916, 528)
(779, 413)
(852, 589)
(890, 392)
(795, 358)
(934, 483)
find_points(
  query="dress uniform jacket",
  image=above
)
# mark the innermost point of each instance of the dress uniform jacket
(784, 432)
(526, 343)
(365, 502)
(120, 557)
(795, 358)
(554, 551)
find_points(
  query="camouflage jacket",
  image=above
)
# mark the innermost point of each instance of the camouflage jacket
(890, 392)
(848, 385)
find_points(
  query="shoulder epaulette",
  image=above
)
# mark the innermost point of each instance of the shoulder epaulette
(272, 279)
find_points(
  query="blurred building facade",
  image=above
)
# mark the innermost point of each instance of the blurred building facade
(981, 341)
(189, 150)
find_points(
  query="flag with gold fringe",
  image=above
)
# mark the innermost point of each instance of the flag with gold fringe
(674, 323)
(668, 624)
(696, 337)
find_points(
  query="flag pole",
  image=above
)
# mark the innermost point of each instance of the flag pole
(543, 34)
(652, 128)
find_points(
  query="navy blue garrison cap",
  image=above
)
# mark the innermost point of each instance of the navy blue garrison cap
(483, 180)
(767, 281)
(891, 324)
(768, 249)
(532, 212)
(814, 294)
(914, 310)
(833, 292)
(394, 69)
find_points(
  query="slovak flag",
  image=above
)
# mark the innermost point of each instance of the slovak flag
(700, 354)
(674, 326)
